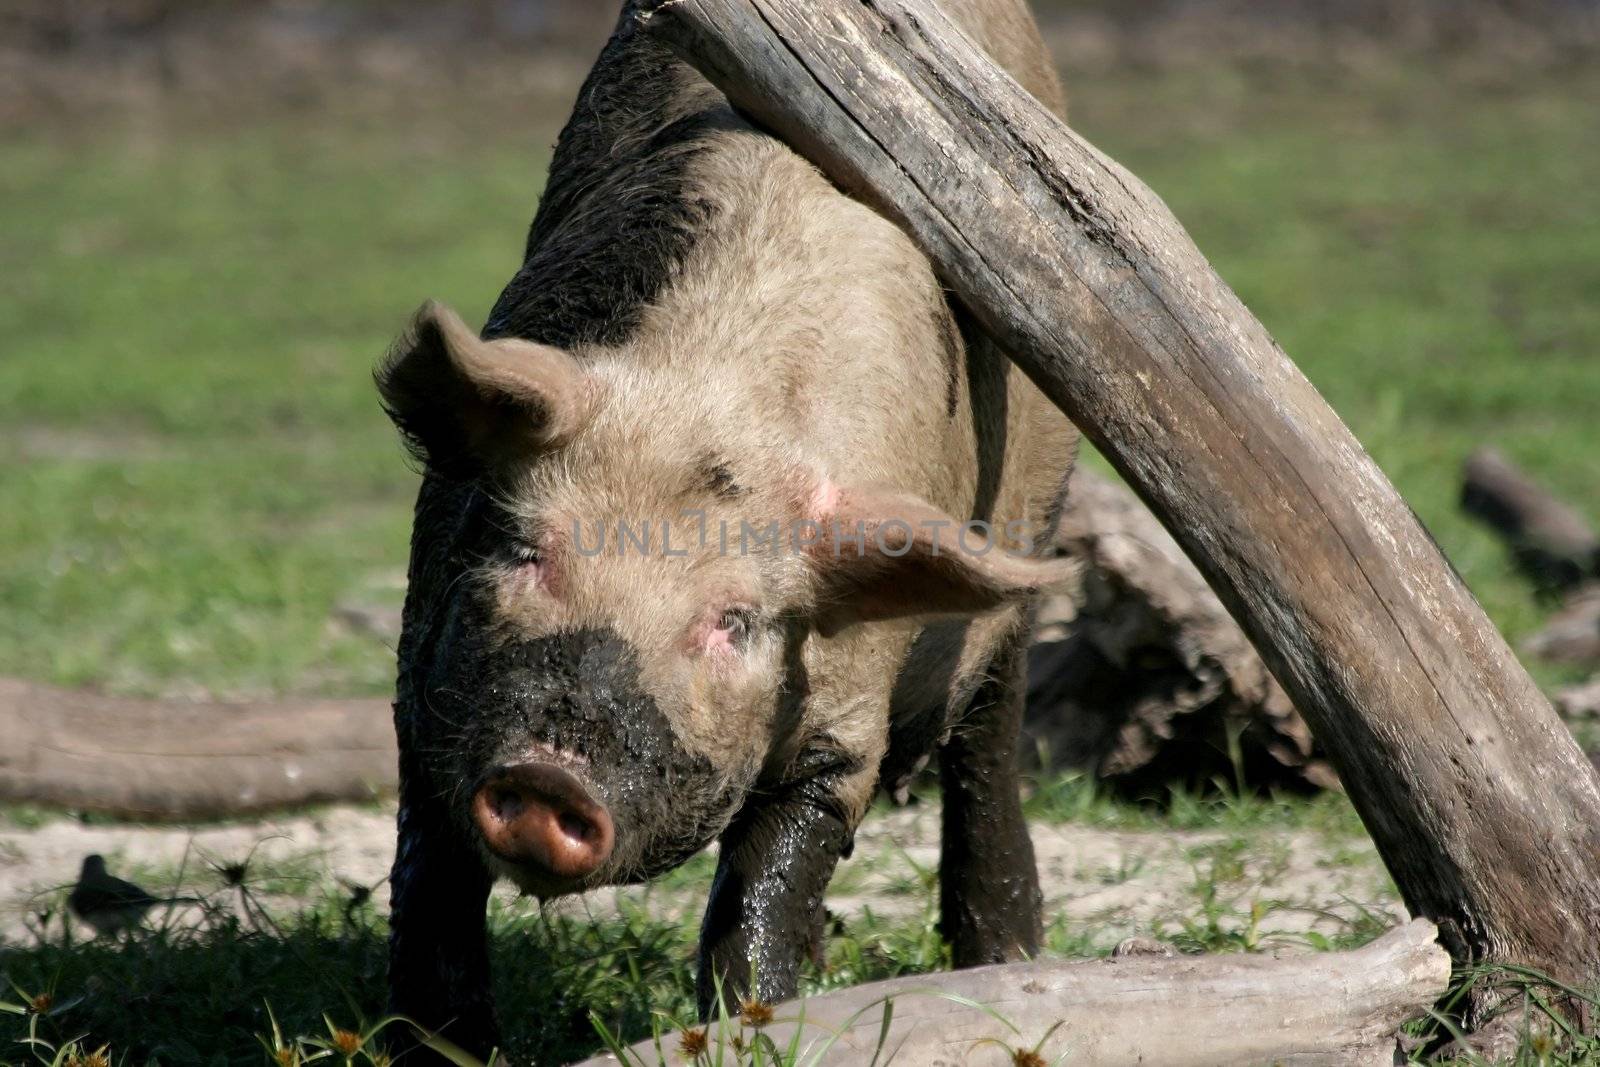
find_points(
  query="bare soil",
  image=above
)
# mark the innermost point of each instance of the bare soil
(1103, 885)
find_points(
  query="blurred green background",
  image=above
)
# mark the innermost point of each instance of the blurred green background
(214, 217)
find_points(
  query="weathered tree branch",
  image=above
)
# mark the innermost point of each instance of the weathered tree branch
(1482, 806)
(188, 760)
(1329, 1008)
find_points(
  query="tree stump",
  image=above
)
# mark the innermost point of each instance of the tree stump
(1142, 677)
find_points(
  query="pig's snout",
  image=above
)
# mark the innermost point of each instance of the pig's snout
(541, 819)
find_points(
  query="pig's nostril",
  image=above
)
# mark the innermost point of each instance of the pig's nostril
(507, 805)
(577, 828)
(541, 818)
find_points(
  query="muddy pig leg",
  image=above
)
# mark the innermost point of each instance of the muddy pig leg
(776, 861)
(989, 900)
(438, 946)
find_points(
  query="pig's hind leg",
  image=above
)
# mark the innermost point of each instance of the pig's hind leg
(989, 900)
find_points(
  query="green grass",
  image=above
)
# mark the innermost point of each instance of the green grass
(193, 466)
(1078, 798)
(171, 993)
(567, 986)
(1424, 243)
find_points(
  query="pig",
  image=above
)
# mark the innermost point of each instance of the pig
(689, 562)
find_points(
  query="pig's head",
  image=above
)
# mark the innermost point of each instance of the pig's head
(639, 561)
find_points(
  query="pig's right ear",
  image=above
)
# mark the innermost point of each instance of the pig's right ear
(878, 553)
(463, 403)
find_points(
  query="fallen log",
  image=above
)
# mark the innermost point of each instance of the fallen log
(1481, 804)
(1552, 543)
(179, 760)
(1328, 1008)
(1141, 676)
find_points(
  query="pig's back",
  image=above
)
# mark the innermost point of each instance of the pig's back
(621, 208)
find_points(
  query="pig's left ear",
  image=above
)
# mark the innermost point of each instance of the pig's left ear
(884, 554)
(463, 402)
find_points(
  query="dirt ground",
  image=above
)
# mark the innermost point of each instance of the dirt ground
(1102, 885)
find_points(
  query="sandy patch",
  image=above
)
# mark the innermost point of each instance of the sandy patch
(1102, 884)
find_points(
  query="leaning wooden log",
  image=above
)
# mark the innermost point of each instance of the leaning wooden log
(1141, 677)
(1329, 1008)
(1480, 802)
(1553, 544)
(153, 759)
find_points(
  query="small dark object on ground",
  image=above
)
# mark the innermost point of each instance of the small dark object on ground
(1553, 544)
(109, 904)
(1580, 702)
(1573, 634)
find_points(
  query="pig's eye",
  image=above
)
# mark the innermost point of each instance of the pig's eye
(525, 554)
(736, 624)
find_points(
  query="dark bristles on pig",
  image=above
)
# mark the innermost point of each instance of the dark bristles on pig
(689, 562)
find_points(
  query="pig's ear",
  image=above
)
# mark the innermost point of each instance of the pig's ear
(461, 401)
(883, 554)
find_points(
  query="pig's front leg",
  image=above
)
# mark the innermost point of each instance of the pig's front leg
(438, 945)
(776, 860)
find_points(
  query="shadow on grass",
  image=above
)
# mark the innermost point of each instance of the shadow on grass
(201, 993)
(217, 987)
(214, 989)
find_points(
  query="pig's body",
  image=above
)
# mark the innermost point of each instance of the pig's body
(741, 341)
